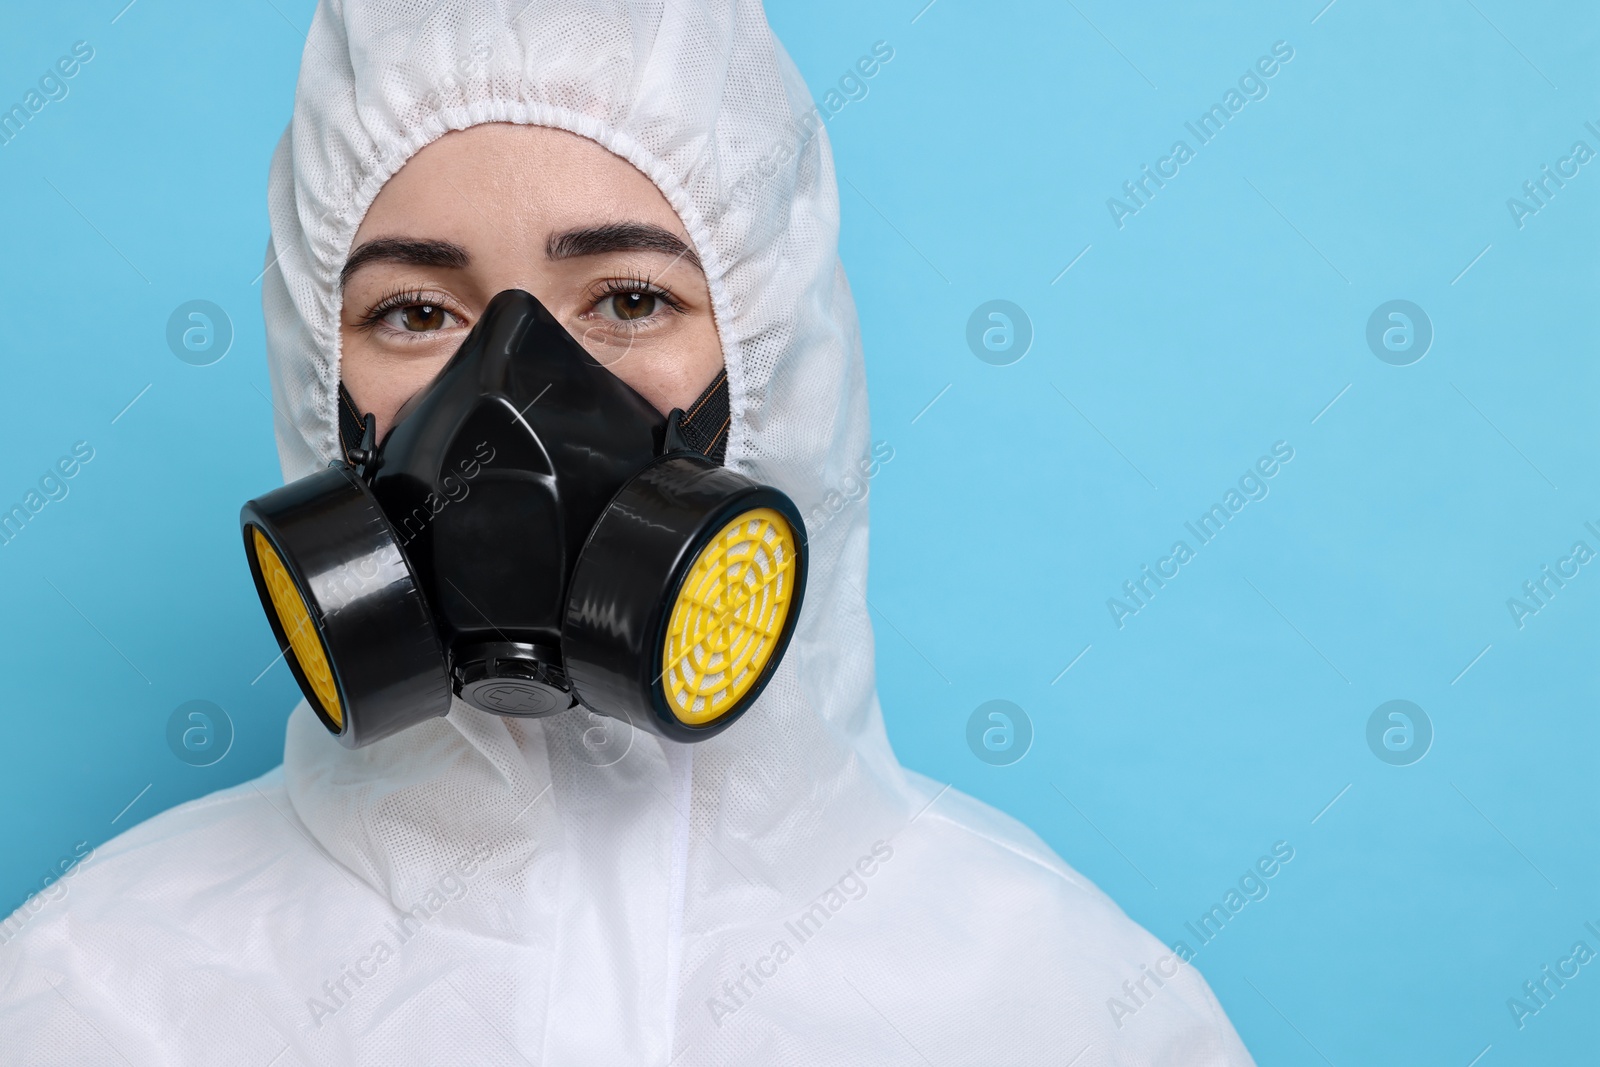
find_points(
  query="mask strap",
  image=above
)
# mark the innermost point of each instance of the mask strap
(705, 424)
(351, 425)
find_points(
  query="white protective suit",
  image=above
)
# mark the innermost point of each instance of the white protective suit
(484, 890)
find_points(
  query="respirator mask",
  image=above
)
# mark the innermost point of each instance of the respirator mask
(530, 536)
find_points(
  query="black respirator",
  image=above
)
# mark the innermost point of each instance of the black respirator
(531, 535)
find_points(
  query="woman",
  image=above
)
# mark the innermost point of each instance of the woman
(480, 889)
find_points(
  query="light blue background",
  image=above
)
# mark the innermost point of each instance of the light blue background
(1223, 317)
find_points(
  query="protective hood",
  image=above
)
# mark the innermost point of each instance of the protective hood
(701, 99)
(485, 890)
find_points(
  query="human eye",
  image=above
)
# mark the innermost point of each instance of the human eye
(633, 303)
(411, 315)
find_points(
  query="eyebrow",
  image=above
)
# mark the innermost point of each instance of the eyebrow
(585, 241)
(619, 237)
(416, 252)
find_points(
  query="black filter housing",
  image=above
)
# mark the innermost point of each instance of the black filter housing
(373, 620)
(629, 575)
(526, 524)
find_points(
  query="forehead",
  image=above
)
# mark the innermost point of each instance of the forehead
(502, 182)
